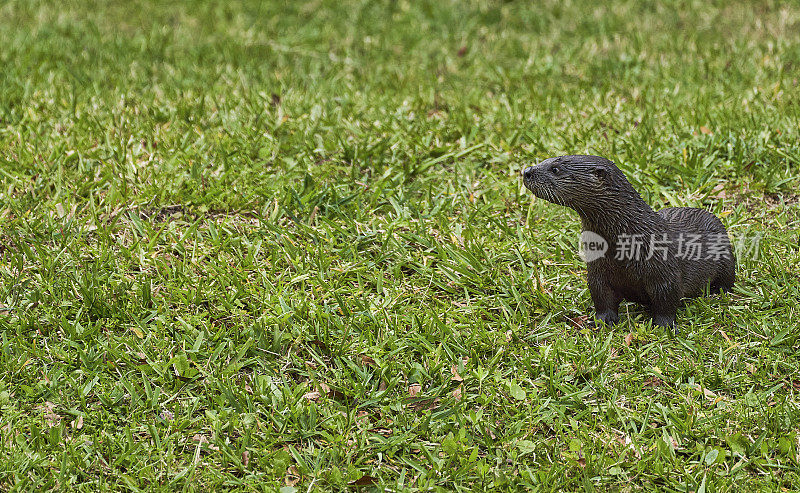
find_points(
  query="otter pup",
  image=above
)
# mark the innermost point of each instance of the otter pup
(655, 258)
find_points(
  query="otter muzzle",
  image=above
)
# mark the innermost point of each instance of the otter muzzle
(529, 178)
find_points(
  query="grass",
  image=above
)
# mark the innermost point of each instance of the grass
(267, 246)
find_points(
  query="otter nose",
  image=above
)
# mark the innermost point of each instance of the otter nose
(527, 173)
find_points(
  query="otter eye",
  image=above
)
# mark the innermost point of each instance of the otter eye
(555, 170)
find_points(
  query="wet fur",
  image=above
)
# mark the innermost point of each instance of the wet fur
(609, 206)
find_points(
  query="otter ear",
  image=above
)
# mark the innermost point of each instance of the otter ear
(600, 172)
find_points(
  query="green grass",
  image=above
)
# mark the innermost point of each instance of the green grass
(285, 245)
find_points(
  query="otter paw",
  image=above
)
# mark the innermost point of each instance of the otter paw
(665, 321)
(608, 318)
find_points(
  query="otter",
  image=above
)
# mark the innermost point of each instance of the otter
(654, 258)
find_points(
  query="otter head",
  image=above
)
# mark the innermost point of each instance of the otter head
(583, 183)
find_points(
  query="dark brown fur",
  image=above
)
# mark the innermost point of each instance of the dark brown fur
(609, 206)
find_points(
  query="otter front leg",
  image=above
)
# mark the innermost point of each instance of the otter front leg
(664, 300)
(606, 299)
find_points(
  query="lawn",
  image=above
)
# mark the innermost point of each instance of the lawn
(284, 245)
